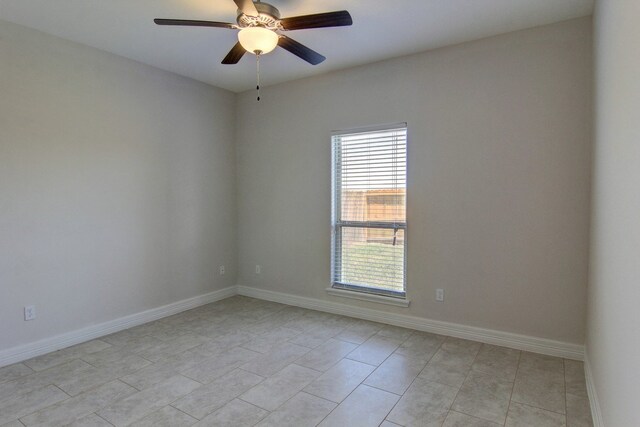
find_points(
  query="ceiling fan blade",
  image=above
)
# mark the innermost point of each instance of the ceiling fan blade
(234, 55)
(192, 23)
(320, 20)
(247, 7)
(300, 50)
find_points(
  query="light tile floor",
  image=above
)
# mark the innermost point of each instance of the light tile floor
(244, 362)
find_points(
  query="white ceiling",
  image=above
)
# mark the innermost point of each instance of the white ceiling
(381, 30)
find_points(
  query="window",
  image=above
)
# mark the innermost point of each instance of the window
(369, 211)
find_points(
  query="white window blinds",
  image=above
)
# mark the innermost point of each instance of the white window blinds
(369, 210)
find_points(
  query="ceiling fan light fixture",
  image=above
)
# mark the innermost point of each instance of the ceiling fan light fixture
(261, 30)
(258, 39)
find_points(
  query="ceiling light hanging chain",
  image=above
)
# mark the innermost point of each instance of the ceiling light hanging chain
(258, 72)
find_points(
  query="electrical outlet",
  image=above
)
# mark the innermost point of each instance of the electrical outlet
(30, 312)
(222, 270)
(258, 269)
(440, 295)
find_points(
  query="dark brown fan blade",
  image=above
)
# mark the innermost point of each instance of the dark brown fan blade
(192, 23)
(320, 20)
(300, 50)
(247, 7)
(234, 55)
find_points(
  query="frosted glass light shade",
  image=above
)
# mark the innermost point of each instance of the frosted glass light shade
(259, 39)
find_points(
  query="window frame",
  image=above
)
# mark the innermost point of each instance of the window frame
(337, 224)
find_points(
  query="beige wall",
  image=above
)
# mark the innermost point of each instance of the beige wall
(117, 186)
(613, 341)
(498, 178)
(118, 181)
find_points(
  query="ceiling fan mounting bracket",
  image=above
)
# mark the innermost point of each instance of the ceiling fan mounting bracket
(268, 17)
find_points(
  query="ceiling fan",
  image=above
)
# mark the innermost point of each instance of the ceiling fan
(260, 26)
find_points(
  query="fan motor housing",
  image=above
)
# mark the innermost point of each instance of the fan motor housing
(268, 16)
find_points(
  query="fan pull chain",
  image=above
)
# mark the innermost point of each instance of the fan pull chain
(258, 72)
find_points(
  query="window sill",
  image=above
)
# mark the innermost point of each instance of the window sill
(380, 299)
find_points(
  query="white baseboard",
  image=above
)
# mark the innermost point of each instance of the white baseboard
(489, 336)
(27, 351)
(594, 403)
(506, 339)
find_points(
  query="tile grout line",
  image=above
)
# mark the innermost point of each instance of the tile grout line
(356, 387)
(464, 381)
(410, 384)
(180, 410)
(538, 407)
(549, 410)
(542, 409)
(321, 373)
(108, 422)
(46, 407)
(512, 388)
